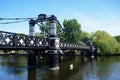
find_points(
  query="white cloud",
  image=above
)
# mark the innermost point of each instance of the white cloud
(90, 25)
(87, 24)
(113, 29)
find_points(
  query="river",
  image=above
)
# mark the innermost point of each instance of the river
(101, 68)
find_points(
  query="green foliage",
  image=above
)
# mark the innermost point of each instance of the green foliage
(44, 29)
(60, 32)
(106, 43)
(38, 34)
(85, 37)
(85, 34)
(72, 31)
(117, 38)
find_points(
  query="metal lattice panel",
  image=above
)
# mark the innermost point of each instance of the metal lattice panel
(21, 41)
(6, 39)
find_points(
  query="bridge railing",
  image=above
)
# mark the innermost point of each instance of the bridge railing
(9, 39)
(66, 45)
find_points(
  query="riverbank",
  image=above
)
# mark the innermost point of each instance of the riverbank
(108, 55)
(1, 52)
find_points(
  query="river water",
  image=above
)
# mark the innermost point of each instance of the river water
(101, 68)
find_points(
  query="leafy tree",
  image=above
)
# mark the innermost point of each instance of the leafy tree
(106, 43)
(85, 34)
(44, 30)
(72, 31)
(117, 38)
(38, 34)
(85, 37)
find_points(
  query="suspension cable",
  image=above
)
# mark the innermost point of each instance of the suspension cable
(17, 18)
(13, 22)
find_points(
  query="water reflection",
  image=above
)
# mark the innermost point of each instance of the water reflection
(31, 74)
(54, 75)
(11, 68)
(102, 68)
(13, 65)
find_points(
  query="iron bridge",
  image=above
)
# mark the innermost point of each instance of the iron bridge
(15, 41)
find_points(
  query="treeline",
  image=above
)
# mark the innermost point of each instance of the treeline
(72, 32)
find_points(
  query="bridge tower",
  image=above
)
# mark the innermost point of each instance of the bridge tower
(32, 54)
(53, 45)
(92, 49)
(31, 27)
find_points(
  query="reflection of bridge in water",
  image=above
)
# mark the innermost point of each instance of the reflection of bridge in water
(52, 45)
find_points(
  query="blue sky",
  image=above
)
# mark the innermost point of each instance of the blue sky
(91, 14)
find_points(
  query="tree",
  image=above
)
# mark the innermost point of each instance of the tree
(106, 43)
(85, 36)
(44, 30)
(38, 34)
(72, 31)
(117, 38)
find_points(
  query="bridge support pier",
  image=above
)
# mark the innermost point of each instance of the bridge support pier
(53, 60)
(91, 51)
(53, 45)
(32, 61)
(82, 53)
(95, 51)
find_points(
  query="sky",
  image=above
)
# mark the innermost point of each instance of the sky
(93, 15)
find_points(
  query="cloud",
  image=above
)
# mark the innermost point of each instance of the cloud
(87, 24)
(91, 25)
(113, 29)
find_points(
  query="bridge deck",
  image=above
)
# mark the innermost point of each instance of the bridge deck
(15, 41)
